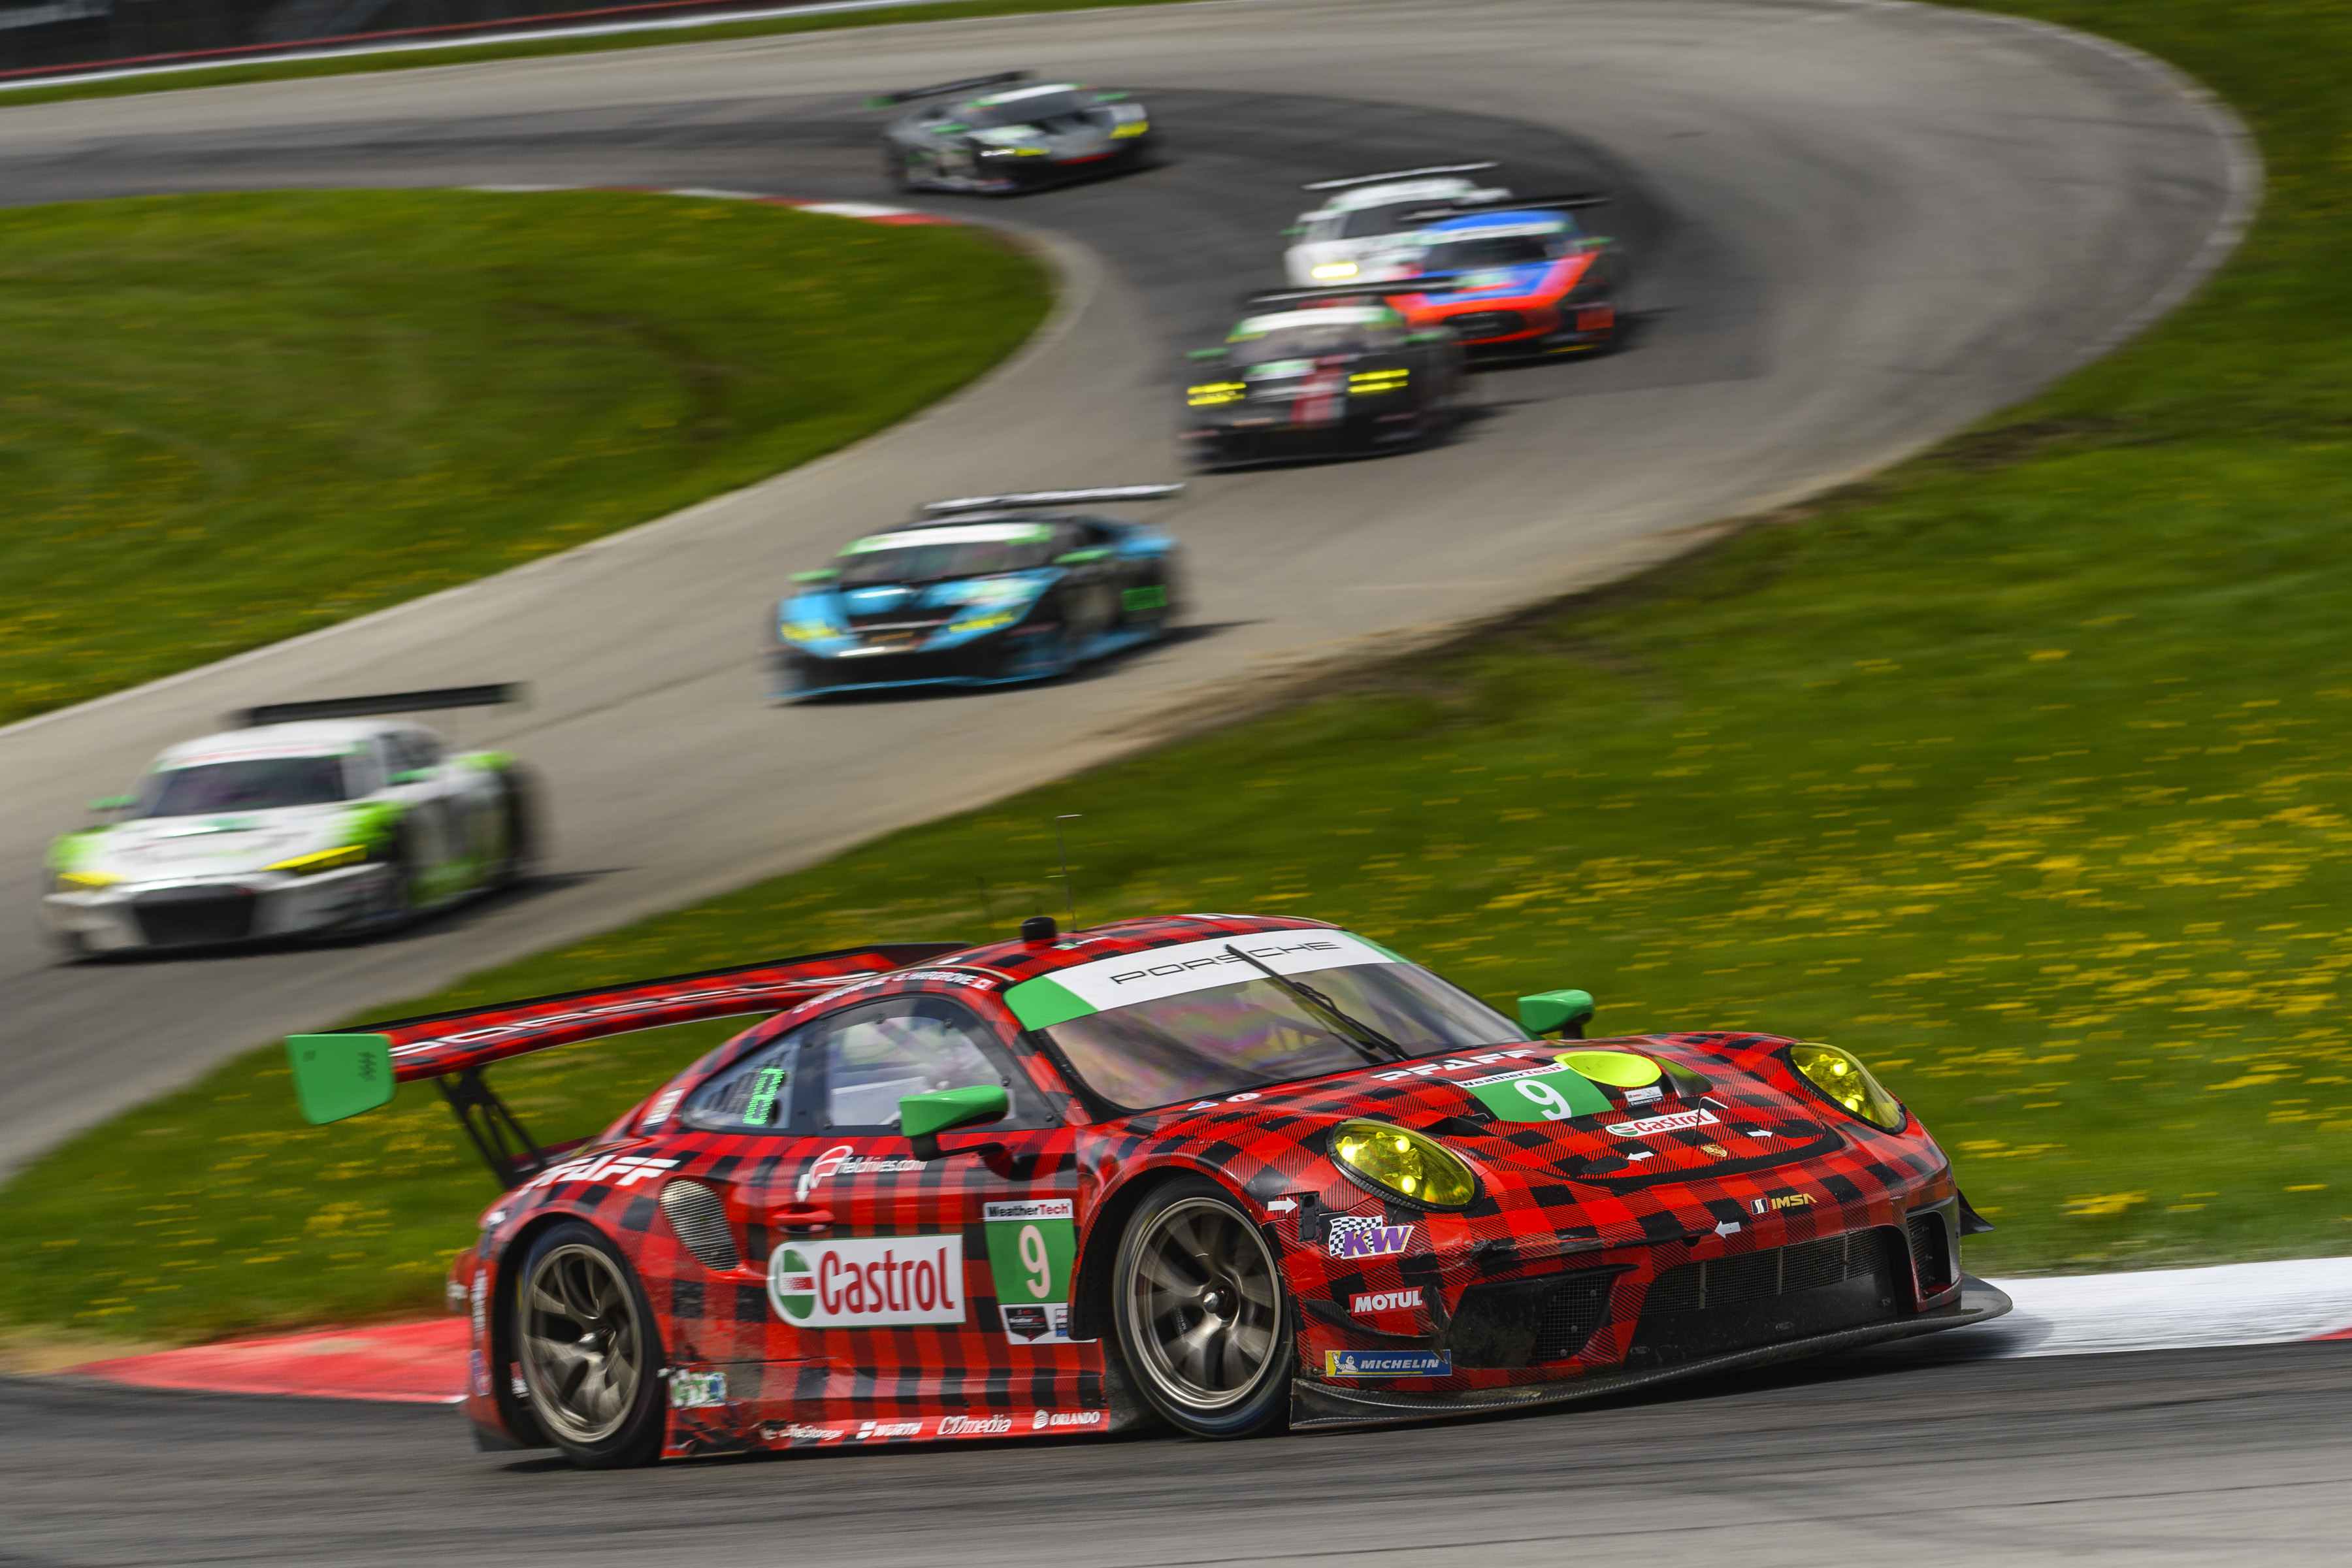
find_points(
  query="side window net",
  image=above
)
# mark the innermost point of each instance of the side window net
(753, 1096)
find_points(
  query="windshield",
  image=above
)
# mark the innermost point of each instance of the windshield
(1246, 1035)
(253, 783)
(930, 554)
(1495, 250)
(1034, 109)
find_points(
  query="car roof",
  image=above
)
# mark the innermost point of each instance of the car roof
(1028, 960)
(991, 99)
(312, 737)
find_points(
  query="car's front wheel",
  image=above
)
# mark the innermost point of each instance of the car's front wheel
(584, 1335)
(1197, 1300)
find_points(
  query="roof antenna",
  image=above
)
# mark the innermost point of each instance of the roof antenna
(1069, 899)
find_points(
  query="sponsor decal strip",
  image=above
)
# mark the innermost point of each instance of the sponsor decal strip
(1088, 988)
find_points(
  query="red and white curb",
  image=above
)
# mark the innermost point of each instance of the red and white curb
(870, 211)
(2169, 1309)
(2090, 1314)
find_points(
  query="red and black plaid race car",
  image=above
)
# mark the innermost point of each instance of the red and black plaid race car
(1219, 1171)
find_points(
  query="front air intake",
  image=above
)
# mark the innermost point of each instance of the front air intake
(699, 1217)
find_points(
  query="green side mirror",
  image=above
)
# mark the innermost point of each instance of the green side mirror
(412, 775)
(337, 1076)
(113, 803)
(826, 574)
(1556, 1012)
(928, 1115)
(1293, 232)
(1206, 354)
(1082, 557)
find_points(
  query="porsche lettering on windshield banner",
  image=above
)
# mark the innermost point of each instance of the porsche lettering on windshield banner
(1188, 966)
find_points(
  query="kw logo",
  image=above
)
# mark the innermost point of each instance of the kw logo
(1353, 1236)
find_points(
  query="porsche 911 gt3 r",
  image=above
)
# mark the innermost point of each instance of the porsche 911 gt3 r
(1218, 1172)
(1313, 374)
(978, 591)
(309, 821)
(1363, 234)
(1014, 139)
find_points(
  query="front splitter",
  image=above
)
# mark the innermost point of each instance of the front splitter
(1315, 1404)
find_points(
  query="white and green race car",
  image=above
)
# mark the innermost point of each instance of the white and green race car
(314, 819)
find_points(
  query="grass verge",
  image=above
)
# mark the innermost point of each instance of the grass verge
(2022, 771)
(432, 385)
(520, 49)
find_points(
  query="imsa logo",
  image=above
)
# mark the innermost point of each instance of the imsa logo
(1780, 1201)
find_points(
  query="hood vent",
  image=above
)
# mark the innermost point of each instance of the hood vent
(699, 1217)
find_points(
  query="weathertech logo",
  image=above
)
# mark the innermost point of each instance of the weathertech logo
(1386, 1301)
(1680, 1122)
(1355, 1236)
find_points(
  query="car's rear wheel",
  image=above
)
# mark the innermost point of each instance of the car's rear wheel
(1197, 1299)
(584, 1335)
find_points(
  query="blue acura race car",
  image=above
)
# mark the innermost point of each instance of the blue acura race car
(979, 591)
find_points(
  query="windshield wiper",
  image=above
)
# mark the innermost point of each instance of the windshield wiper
(1368, 1041)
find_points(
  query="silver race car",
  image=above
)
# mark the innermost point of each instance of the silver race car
(1013, 140)
(1368, 230)
(310, 819)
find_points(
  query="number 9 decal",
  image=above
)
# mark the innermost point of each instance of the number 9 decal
(1554, 1104)
(1034, 1259)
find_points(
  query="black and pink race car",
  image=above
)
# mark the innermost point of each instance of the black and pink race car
(1217, 1172)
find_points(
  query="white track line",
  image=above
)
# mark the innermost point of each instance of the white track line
(2169, 1308)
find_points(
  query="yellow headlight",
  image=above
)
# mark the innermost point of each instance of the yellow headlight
(1398, 1159)
(324, 860)
(83, 882)
(1841, 1076)
(1336, 270)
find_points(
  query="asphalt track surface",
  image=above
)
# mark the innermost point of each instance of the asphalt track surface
(1856, 227)
(2172, 1457)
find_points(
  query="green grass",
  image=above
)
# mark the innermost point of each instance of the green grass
(231, 419)
(476, 54)
(2022, 772)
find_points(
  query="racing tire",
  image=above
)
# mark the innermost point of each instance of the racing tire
(1202, 1320)
(898, 168)
(585, 1336)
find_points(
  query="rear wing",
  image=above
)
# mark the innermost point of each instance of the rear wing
(1100, 493)
(389, 702)
(352, 1071)
(962, 84)
(1502, 204)
(1397, 174)
(1342, 294)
